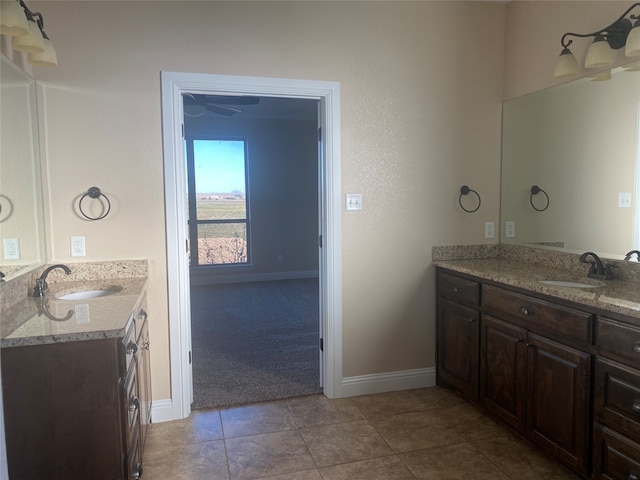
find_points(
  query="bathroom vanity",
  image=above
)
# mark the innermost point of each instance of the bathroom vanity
(76, 386)
(560, 365)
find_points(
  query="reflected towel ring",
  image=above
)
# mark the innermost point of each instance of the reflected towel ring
(464, 190)
(94, 192)
(534, 191)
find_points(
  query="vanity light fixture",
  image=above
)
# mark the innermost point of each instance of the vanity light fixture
(27, 32)
(621, 33)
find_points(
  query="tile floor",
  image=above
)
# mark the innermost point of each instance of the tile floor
(428, 434)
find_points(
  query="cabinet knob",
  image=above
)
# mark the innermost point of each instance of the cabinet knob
(526, 311)
(636, 347)
(146, 345)
(143, 315)
(633, 476)
(137, 471)
(135, 405)
(132, 348)
(635, 406)
(455, 290)
(518, 340)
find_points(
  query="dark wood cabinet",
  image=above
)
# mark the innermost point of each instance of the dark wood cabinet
(533, 370)
(503, 370)
(616, 446)
(78, 409)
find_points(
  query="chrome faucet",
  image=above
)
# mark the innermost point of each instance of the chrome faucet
(631, 254)
(597, 269)
(41, 283)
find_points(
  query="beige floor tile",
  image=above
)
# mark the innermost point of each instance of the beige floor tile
(344, 442)
(267, 455)
(415, 431)
(453, 462)
(186, 462)
(436, 397)
(521, 460)
(382, 468)
(391, 403)
(305, 475)
(257, 419)
(319, 410)
(201, 426)
(471, 422)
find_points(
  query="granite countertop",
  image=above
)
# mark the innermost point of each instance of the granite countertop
(37, 322)
(619, 296)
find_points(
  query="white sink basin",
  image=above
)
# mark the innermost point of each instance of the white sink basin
(563, 283)
(86, 294)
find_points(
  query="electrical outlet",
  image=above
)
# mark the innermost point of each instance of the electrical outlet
(280, 258)
(489, 228)
(81, 311)
(11, 249)
(77, 247)
(510, 229)
(354, 201)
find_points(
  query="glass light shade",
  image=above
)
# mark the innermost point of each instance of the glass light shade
(13, 20)
(632, 48)
(566, 65)
(599, 54)
(48, 58)
(32, 42)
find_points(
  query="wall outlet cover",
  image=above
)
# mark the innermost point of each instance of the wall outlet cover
(11, 249)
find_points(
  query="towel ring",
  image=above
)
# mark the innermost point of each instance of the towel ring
(534, 191)
(465, 190)
(94, 192)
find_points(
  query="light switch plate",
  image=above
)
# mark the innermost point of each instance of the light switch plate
(624, 199)
(354, 201)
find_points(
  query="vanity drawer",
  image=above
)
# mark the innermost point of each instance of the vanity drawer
(618, 340)
(538, 315)
(617, 397)
(459, 289)
(615, 457)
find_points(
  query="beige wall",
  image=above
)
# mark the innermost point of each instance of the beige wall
(421, 86)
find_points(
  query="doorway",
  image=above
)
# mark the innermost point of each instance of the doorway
(252, 175)
(174, 85)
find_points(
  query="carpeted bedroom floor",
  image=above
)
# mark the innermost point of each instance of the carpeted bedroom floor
(254, 342)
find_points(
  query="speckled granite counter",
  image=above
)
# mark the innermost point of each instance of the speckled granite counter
(619, 296)
(35, 322)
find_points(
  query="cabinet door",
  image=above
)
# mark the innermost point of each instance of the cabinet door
(458, 348)
(558, 383)
(503, 370)
(615, 457)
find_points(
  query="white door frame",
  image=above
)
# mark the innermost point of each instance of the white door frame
(174, 84)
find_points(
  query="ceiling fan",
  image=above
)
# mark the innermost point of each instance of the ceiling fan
(218, 104)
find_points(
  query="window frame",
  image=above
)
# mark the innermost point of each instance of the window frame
(192, 218)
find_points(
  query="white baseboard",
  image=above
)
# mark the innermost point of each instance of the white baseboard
(204, 278)
(161, 411)
(388, 382)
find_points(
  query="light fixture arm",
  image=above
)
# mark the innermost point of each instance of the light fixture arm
(615, 34)
(35, 17)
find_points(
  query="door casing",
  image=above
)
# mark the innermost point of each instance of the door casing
(173, 85)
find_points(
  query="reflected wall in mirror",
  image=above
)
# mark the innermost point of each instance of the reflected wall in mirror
(579, 143)
(21, 218)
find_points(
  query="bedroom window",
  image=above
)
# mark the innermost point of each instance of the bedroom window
(218, 212)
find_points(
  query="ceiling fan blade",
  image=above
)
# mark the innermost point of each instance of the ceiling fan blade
(222, 109)
(231, 100)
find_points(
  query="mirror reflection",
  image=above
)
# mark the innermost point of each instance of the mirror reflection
(578, 143)
(21, 221)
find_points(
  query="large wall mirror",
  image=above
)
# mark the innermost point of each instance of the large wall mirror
(578, 142)
(21, 217)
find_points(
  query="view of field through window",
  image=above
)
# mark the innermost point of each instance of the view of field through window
(217, 173)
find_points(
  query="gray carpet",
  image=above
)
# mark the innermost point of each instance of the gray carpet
(254, 342)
